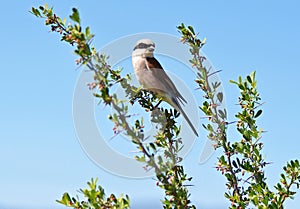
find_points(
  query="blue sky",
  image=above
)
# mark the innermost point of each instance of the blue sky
(40, 155)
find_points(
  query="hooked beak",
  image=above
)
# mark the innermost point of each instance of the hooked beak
(150, 49)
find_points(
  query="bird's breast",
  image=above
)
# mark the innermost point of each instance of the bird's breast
(139, 65)
(138, 62)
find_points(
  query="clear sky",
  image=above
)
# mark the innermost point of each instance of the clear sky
(40, 155)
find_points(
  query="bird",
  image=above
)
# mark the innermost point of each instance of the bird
(152, 77)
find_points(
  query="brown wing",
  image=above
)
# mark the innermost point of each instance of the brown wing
(160, 74)
(168, 85)
(153, 63)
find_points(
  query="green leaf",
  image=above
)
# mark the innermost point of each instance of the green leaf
(65, 200)
(191, 29)
(234, 164)
(152, 146)
(259, 112)
(36, 12)
(222, 114)
(180, 27)
(87, 31)
(220, 96)
(241, 87)
(140, 159)
(222, 160)
(240, 79)
(234, 82)
(253, 75)
(249, 79)
(75, 15)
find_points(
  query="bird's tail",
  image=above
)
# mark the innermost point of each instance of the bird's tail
(178, 107)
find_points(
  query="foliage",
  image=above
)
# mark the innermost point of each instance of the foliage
(160, 155)
(242, 162)
(95, 199)
(70, 33)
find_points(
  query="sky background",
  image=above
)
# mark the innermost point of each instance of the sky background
(40, 155)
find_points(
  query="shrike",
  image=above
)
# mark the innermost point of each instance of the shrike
(152, 77)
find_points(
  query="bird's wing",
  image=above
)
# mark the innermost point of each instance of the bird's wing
(165, 83)
(161, 82)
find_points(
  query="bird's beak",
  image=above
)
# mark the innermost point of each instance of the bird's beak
(150, 49)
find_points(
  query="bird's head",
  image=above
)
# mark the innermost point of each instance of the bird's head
(144, 47)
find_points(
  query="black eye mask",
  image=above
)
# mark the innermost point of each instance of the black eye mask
(143, 46)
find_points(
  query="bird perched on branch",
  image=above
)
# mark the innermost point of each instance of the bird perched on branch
(152, 77)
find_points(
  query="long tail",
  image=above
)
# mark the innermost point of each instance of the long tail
(178, 107)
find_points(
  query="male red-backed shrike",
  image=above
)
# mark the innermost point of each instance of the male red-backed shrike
(152, 77)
